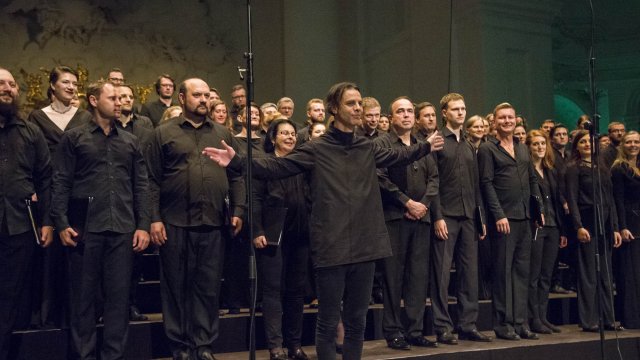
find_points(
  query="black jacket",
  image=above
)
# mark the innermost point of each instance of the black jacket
(626, 192)
(347, 223)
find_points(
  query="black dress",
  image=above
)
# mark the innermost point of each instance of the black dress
(627, 199)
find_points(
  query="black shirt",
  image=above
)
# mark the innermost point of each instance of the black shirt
(459, 181)
(154, 110)
(187, 188)
(111, 169)
(507, 183)
(417, 181)
(25, 169)
(580, 194)
(626, 194)
(140, 126)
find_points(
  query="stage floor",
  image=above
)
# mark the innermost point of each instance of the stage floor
(571, 343)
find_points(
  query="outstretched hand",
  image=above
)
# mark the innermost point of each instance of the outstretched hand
(436, 140)
(222, 156)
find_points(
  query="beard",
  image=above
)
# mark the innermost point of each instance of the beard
(9, 110)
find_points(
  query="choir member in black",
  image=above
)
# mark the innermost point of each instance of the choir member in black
(48, 267)
(455, 227)
(236, 252)
(544, 248)
(165, 87)
(581, 206)
(615, 132)
(25, 170)
(559, 136)
(190, 219)
(626, 184)
(282, 268)
(508, 181)
(101, 161)
(347, 232)
(142, 127)
(407, 195)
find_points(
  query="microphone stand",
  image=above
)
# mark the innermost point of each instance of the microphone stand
(599, 236)
(247, 75)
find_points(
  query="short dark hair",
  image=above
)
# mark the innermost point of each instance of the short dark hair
(335, 95)
(95, 89)
(552, 133)
(159, 79)
(237, 87)
(55, 73)
(269, 144)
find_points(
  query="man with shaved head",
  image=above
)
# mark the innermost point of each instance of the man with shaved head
(188, 216)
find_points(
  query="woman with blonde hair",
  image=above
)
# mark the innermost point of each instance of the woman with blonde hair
(170, 112)
(474, 127)
(219, 112)
(625, 175)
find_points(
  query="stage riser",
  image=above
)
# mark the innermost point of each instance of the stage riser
(147, 340)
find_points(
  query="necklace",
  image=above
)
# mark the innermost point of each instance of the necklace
(66, 110)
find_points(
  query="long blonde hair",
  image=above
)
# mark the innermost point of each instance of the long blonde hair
(623, 158)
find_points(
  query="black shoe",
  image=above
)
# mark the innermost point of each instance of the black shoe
(508, 335)
(447, 338)
(135, 315)
(557, 289)
(613, 327)
(398, 343)
(551, 327)
(540, 328)
(528, 335)
(206, 354)
(181, 355)
(421, 341)
(297, 354)
(278, 355)
(474, 335)
(378, 296)
(594, 329)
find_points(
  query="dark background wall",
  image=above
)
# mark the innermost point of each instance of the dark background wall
(533, 54)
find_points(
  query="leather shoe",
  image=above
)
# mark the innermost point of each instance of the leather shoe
(508, 335)
(613, 327)
(135, 315)
(206, 354)
(593, 328)
(398, 343)
(557, 289)
(180, 355)
(422, 341)
(528, 335)
(278, 355)
(297, 354)
(447, 338)
(540, 328)
(474, 335)
(551, 327)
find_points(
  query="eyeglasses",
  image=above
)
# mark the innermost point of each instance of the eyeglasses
(287, 133)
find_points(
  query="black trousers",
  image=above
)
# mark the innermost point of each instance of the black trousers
(48, 295)
(191, 266)
(587, 276)
(350, 286)
(629, 289)
(511, 255)
(463, 242)
(282, 271)
(405, 274)
(101, 261)
(15, 255)
(544, 252)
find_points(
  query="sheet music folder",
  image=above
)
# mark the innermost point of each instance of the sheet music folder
(78, 214)
(273, 222)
